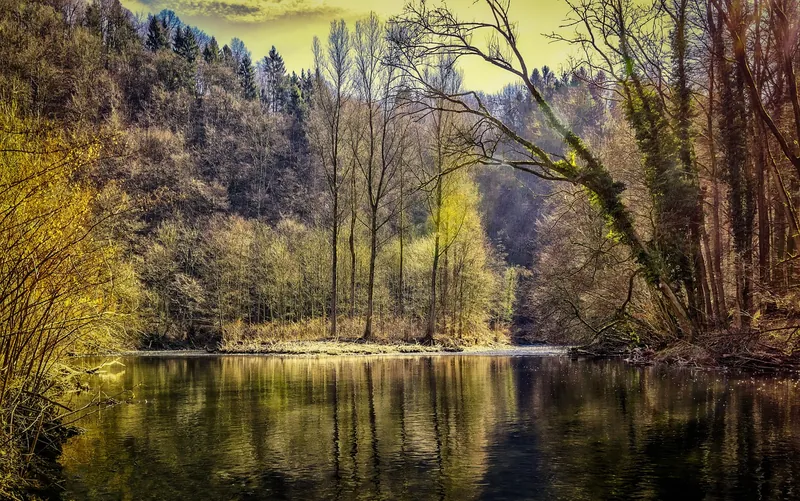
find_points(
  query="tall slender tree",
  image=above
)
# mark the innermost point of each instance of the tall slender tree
(247, 79)
(376, 83)
(332, 80)
(274, 91)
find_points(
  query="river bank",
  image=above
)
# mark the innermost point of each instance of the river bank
(680, 354)
(347, 348)
(749, 352)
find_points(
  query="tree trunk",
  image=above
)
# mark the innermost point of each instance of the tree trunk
(711, 295)
(718, 286)
(444, 294)
(352, 243)
(400, 292)
(762, 205)
(373, 251)
(430, 330)
(779, 244)
(701, 269)
(334, 264)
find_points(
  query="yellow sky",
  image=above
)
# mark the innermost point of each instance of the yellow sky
(290, 25)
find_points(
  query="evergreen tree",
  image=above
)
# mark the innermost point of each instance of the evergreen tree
(536, 77)
(227, 57)
(170, 22)
(177, 41)
(186, 44)
(156, 35)
(93, 18)
(211, 52)
(247, 78)
(121, 35)
(297, 107)
(275, 71)
(306, 85)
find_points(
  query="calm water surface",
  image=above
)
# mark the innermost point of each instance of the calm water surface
(450, 427)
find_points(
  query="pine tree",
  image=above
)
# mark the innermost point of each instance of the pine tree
(275, 70)
(227, 57)
(307, 85)
(247, 78)
(156, 35)
(177, 40)
(211, 52)
(186, 44)
(297, 107)
(93, 18)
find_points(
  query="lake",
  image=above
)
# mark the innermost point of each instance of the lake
(433, 427)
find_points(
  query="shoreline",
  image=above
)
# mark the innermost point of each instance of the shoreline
(352, 349)
(331, 349)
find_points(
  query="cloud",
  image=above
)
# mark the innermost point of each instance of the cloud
(249, 11)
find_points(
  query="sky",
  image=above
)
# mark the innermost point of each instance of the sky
(290, 25)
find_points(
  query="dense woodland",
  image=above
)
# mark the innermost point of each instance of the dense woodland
(161, 188)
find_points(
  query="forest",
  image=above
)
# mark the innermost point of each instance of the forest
(160, 189)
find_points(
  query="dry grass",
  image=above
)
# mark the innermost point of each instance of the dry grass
(327, 348)
(318, 329)
(392, 335)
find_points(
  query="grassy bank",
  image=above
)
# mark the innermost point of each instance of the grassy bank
(341, 347)
(393, 335)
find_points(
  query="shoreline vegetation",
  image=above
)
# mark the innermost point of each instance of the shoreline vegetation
(346, 348)
(677, 355)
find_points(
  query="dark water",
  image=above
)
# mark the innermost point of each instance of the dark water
(435, 428)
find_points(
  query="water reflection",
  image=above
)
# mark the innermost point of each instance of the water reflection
(435, 428)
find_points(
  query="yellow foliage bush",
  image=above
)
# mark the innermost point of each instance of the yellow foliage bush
(61, 283)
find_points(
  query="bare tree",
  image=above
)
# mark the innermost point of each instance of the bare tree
(425, 32)
(330, 99)
(440, 155)
(379, 163)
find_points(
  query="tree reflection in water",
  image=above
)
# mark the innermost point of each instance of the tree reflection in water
(450, 427)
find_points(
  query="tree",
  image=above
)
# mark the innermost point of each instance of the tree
(185, 44)
(157, 37)
(114, 25)
(447, 80)
(330, 96)
(211, 52)
(423, 33)
(62, 283)
(238, 51)
(274, 90)
(227, 57)
(382, 130)
(247, 79)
